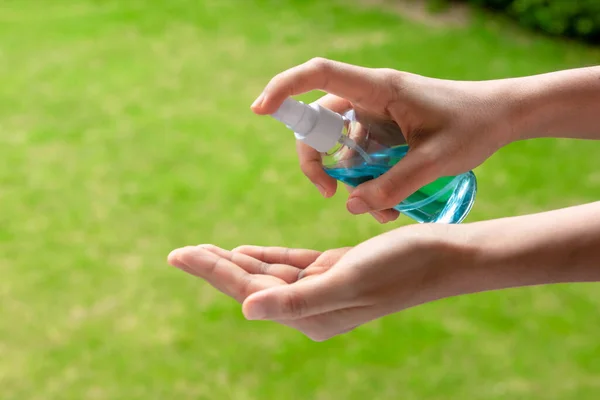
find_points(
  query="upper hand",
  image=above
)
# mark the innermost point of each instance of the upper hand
(450, 126)
(323, 294)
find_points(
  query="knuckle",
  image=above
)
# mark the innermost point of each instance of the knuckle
(293, 305)
(319, 63)
(311, 170)
(264, 268)
(395, 77)
(387, 74)
(393, 81)
(383, 192)
(430, 157)
(390, 77)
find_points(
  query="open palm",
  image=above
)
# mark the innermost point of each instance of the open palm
(250, 269)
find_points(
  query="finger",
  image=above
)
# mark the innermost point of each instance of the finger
(414, 171)
(286, 273)
(312, 271)
(335, 103)
(300, 300)
(310, 159)
(382, 216)
(322, 327)
(357, 84)
(323, 263)
(220, 273)
(385, 216)
(299, 258)
(312, 167)
(330, 257)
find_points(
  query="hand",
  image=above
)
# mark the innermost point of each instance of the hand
(450, 126)
(324, 294)
(250, 269)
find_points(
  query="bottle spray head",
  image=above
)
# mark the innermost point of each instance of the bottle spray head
(317, 126)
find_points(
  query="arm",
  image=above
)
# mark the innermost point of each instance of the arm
(552, 247)
(563, 104)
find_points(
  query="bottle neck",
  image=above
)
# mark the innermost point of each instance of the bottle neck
(352, 147)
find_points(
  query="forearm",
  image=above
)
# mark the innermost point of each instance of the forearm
(553, 247)
(563, 104)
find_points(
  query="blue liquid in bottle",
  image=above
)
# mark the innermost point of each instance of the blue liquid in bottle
(446, 200)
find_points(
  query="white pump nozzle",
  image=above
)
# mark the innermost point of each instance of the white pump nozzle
(318, 127)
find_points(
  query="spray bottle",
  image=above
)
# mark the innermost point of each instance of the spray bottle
(355, 152)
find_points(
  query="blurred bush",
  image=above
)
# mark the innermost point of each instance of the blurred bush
(570, 18)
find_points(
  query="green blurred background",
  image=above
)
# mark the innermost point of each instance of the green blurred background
(125, 131)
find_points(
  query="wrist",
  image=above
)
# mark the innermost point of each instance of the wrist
(501, 254)
(507, 104)
(466, 262)
(530, 103)
(558, 246)
(522, 105)
(559, 104)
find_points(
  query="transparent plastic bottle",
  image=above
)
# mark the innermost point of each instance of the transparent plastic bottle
(356, 150)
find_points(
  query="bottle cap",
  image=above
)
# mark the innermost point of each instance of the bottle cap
(317, 126)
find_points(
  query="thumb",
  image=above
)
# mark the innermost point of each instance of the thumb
(417, 169)
(302, 299)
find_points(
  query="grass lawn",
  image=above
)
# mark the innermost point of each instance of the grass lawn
(125, 131)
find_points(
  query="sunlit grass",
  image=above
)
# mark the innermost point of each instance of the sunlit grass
(125, 131)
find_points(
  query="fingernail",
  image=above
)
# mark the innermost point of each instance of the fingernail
(321, 189)
(357, 206)
(258, 101)
(256, 312)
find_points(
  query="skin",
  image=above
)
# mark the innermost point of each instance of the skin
(451, 127)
